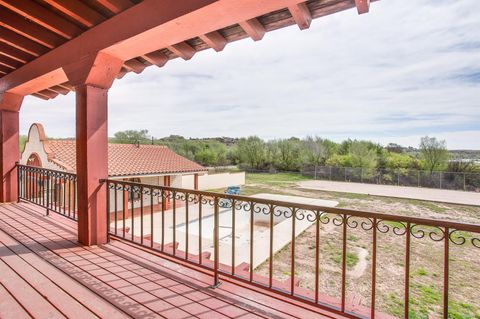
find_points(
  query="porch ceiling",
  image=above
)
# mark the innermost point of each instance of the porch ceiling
(39, 37)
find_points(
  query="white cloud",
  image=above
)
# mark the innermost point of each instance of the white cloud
(399, 72)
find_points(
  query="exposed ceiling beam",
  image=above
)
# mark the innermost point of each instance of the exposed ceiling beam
(22, 43)
(42, 16)
(68, 86)
(157, 58)
(183, 50)
(51, 94)
(362, 6)
(60, 89)
(301, 15)
(5, 69)
(115, 6)
(135, 66)
(253, 28)
(122, 73)
(15, 53)
(28, 29)
(41, 96)
(78, 11)
(214, 40)
(5, 60)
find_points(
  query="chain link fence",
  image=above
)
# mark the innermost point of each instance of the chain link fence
(399, 177)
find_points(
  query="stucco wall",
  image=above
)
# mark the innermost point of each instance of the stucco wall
(222, 180)
(34, 145)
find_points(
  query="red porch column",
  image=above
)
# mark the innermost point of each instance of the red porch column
(9, 151)
(92, 77)
(166, 201)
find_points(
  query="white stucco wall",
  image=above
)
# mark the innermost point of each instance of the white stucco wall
(206, 182)
(34, 145)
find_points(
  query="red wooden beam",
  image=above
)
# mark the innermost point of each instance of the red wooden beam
(60, 89)
(15, 53)
(214, 40)
(20, 25)
(49, 93)
(68, 86)
(22, 43)
(122, 73)
(42, 16)
(301, 15)
(362, 6)
(78, 11)
(135, 66)
(157, 58)
(5, 69)
(253, 28)
(183, 50)
(40, 96)
(115, 6)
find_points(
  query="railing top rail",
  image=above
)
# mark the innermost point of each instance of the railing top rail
(46, 170)
(314, 208)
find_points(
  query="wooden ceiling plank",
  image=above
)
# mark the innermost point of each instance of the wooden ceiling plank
(115, 6)
(7, 61)
(15, 53)
(157, 58)
(135, 66)
(214, 40)
(78, 11)
(253, 28)
(362, 6)
(60, 89)
(44, 17)
(28, 29)
(21, 42)
(4, 69)
(183, 50)
(301, 15)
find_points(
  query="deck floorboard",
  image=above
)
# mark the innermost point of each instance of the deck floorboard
(47, 274)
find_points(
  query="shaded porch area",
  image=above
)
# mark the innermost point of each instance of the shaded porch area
(46, 273)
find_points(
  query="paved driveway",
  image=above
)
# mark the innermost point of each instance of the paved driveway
(430, 194)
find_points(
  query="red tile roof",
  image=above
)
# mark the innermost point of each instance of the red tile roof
(127, 159)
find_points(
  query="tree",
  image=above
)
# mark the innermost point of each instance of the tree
(131, 136)
(252, 151)
(434, 153)
(289, 154)
(318, 150)
(363, 154)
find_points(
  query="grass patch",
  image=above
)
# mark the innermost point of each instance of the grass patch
(277, 179)
(352, 259)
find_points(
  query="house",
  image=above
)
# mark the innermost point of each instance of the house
(146, 164)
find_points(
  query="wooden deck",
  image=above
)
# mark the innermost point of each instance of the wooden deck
(45, 273)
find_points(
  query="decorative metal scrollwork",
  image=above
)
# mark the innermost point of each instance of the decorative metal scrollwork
(435, 234)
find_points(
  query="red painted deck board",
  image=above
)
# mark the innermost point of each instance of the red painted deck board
(45, 272)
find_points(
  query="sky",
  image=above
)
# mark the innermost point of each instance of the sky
(402, 71)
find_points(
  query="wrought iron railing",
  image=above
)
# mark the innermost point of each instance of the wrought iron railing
(238, 236)
(52, 189)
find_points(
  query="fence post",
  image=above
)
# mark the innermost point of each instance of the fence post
(464, 182)
(361, 175)
(330, 173)
(345, 174)
(216, 281)
(418, 178)
(398, 178)
(315, 174)
(441, 177)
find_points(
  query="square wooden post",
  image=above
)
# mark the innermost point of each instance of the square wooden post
(92, 77)
(9, 149)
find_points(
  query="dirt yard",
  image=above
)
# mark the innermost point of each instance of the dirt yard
(426, 270)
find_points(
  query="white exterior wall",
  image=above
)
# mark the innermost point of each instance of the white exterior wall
(222, 180)
(188, 181)
(34, 145)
